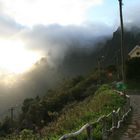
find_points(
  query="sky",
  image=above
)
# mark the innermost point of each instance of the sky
(32, 29)
(63, 12)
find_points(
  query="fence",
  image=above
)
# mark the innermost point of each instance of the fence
(117, 117)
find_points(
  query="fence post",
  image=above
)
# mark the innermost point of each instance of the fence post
(119, 114)
(104, 129)
(89, 133)
(114, 117)
(63, 139)
(128, 102)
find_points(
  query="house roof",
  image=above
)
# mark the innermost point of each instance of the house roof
(137, 47)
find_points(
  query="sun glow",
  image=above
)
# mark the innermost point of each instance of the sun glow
(14, 57)
(49, 11)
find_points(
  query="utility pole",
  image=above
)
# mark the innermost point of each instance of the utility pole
(12, 113)
(99, 71)
(117, 67)
(100, 68)
(12, 109)
(122, 42)
(117, 64)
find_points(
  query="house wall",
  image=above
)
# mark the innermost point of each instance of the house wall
(136, 53)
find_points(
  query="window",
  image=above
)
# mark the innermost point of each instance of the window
(137, 53)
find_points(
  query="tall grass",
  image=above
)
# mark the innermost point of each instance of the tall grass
(103, 102)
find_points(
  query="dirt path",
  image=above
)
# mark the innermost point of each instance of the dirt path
(133, 130)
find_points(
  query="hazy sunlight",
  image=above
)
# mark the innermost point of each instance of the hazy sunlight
(14, 57)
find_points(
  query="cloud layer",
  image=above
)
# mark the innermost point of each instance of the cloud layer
(30, 12)
(8, 26)
(131, 14)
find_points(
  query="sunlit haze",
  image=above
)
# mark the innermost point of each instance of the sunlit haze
(14, 57)
(31, 12)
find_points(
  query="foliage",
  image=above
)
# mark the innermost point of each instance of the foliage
(6, 126)
(65, 109)
(133, 85)
(38, 112)
(26, 135)
(133, 69)
(80, 113)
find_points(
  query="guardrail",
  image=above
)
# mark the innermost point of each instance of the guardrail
(116, 116)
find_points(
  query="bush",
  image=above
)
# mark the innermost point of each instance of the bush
(71, 119)
(133, 68)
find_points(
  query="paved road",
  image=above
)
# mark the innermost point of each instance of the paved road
(133, 130)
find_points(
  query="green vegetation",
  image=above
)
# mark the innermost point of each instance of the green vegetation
(74, 115)
(133, 85)
(64, 109)
(133, 69)
(104, 101)
(133, 73)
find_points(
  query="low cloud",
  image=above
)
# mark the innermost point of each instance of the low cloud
(8, 26)
(48, 12)
(55, 40)
(131, 15)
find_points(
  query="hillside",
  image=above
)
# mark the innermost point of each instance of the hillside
(79, 113)
(73, 116)
(112, 47)
(83, 59)
(63, 109)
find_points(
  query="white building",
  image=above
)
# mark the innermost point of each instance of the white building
(135, 52)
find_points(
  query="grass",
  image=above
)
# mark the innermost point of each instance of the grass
(104, 101)
(77, 114)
